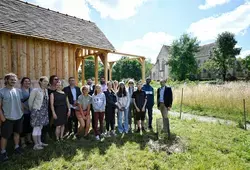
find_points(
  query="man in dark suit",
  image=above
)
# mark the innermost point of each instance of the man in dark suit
(164, 103)
(72, 92)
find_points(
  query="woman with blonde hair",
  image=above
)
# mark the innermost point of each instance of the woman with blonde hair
(99, 104)
(38, 104)
(83, 114)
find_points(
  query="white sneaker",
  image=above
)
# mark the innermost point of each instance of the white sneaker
(97, 137)
(43, 144)
(37, 147)
(107, 135)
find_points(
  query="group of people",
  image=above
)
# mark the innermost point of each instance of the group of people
(31, 115)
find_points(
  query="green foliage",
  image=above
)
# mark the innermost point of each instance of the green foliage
(224, 54)
(126, 68)
(148, 67)
(90, 69)
(182, 57)
(209, 146)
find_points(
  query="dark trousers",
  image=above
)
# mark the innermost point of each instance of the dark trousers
(99, 116)
(150, 115)
(110, 118)
(72, 125)
(92, 117)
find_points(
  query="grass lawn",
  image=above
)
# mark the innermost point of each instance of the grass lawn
(208, 146)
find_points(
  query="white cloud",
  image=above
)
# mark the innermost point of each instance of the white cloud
(212, 3)
(149, 45)
(77, 8)
(116, 9)
(243, 54)
(236, 21)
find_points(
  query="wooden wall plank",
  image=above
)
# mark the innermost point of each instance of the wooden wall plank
(1, 59)
(4, 54)
(46, 63)
(23, 58)
(28, 56)
(32, 61)
(66, 62)
(52, 56)
(71, 61)
(38, 58)
(9, 53)
(59, 60)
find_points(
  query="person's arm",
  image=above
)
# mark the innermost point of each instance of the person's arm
(2, 117)
(171, 98)
(52, 105)
(145, 102)
(104, 103)
(128, 101)
(158, 97)
(68, 105)
(137, 109)
(32, 98)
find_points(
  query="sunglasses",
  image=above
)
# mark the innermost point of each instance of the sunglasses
(56, 79)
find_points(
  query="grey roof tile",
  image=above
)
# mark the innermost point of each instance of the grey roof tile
(23, 18)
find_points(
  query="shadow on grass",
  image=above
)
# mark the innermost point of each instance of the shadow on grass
(69, 148)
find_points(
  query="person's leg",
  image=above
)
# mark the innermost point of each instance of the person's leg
(143, 116)
(96, 116)
(16, 140)
(112, 120)
(126, 128)
(101, 118)
(130, 116)
(82, 125)
(69, 124)
(75, 120)
(62, 131)
(35, 135)
(87, 126)
(107, 120)
(92, 117)
(120, 127)
(6, 131)
(57, 132)
(150, 116)
(164, 113)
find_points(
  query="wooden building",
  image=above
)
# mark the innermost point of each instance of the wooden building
(35, 41)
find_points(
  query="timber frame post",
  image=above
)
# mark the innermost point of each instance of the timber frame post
(96, 69)
(111, 69)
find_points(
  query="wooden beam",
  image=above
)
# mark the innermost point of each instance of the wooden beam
(110, 69)
(1, 57)
(38, 59)
(96, 69)
(126, 54)
(52, 53)
(66, 61)
(46, 63)
(105, 63)
(77, 64)
(143, 69)
(71, 61)
(9, 54)
(83, 71)
(23, 58)
(59, 67)
(4, 54)
(14, 54)
(31, 48)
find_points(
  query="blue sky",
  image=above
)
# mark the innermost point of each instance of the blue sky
(143, 26)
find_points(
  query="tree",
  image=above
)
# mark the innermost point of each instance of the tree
(90, 69)
(148, 67)
(125, 68)
(224, 53)
(182, 57)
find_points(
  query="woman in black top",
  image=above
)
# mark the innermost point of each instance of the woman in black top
(110, 109)
(60, 107)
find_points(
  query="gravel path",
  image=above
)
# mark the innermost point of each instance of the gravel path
(202, 118)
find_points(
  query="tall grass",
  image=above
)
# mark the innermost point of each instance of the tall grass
(224, 101)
